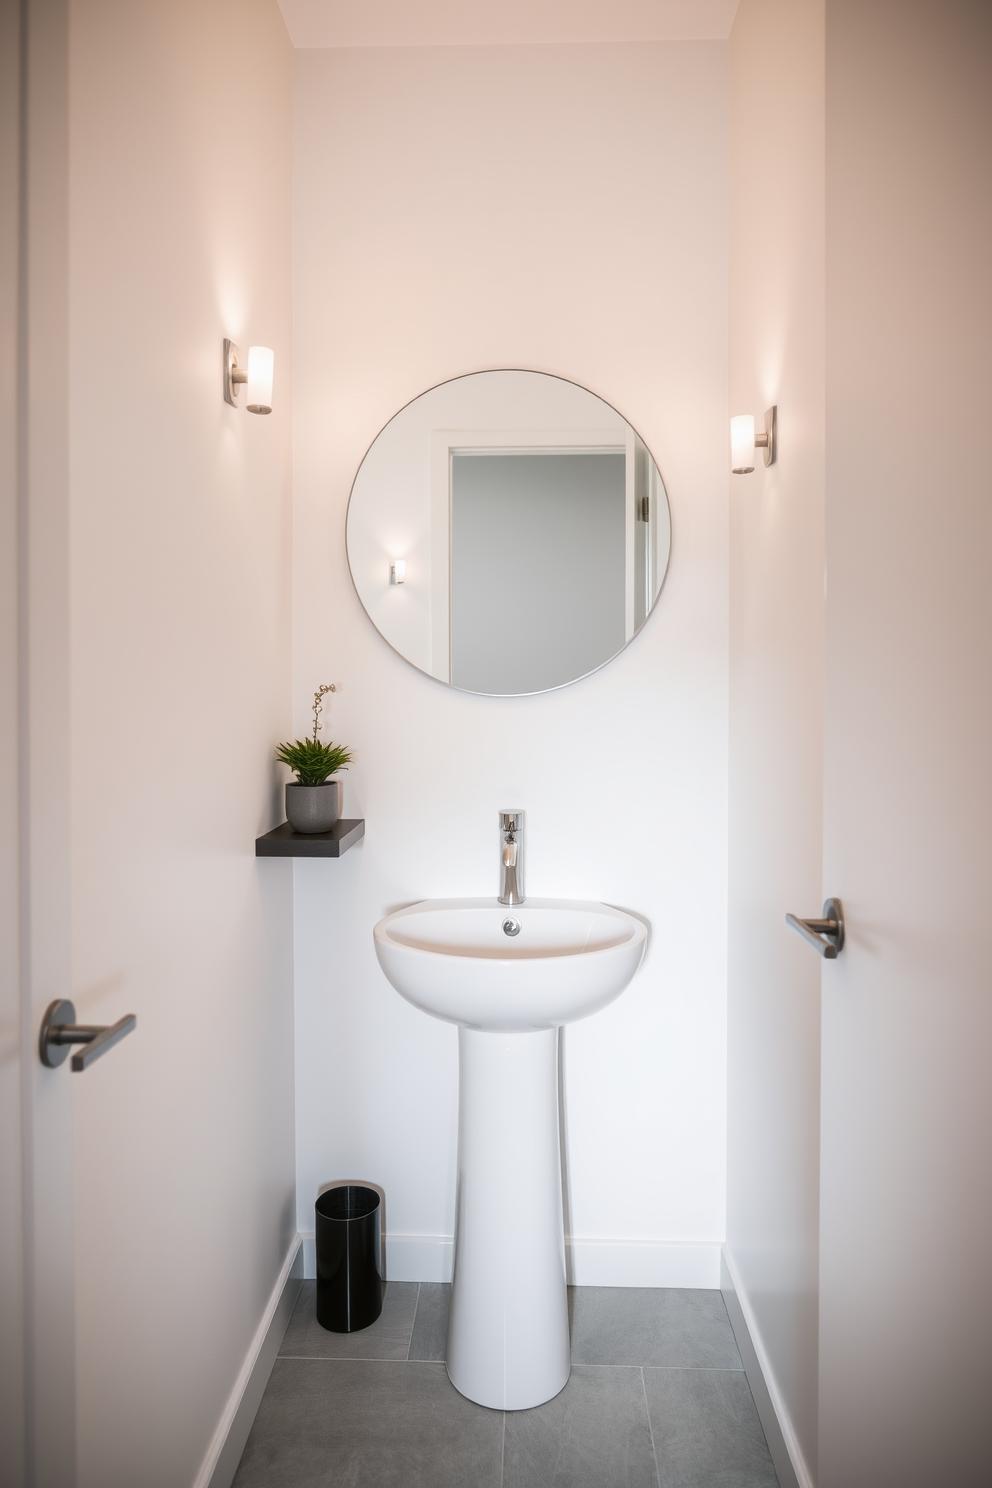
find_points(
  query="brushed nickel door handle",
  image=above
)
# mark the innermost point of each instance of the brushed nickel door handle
(59, 1030)
(826, 935)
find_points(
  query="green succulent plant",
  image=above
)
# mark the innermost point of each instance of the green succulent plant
(311, 761)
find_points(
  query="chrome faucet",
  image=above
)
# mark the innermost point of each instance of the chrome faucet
(511, 857)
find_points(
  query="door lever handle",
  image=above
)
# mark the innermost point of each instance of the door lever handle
(59, 1030)
(827, 935)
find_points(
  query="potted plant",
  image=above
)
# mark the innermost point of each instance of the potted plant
(313, 802)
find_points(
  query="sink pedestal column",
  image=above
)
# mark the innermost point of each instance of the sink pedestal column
(508, 1344)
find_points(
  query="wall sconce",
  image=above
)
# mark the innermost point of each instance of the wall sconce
(257, 376)
(397, 571)
(743, 440)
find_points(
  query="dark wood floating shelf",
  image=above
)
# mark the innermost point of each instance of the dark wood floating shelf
(283, 842)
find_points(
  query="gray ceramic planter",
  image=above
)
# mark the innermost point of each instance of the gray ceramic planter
(312, 808)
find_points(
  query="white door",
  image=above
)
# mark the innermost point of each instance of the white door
(906, 1173)
(147, 1214)
(37, 1355)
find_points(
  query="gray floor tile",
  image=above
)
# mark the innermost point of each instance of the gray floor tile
(430, 1331)
(661, 1326)
(595, 1434)
(369, 1424)
(387, 1338)
(706, 1430)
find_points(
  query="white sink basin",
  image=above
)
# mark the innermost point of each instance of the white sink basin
(508, 1344)
(452, 959)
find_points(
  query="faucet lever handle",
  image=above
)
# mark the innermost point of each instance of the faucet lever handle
(511, 872)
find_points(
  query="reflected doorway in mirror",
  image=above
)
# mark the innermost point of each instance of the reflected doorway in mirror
(536, 526)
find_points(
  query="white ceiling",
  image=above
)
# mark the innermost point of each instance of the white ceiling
(375, 23)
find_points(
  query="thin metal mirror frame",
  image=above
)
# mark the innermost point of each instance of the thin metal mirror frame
(543, 691)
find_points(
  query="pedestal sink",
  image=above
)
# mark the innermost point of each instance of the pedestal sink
(509, 977)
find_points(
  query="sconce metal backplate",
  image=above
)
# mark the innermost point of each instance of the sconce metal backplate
(231, 355)
(770, 449)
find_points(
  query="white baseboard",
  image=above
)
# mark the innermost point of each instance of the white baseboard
(642, 1263)
(787, 1455)
(221, 1462)
(309, 1254)
(619, 1263)
(419, 1257)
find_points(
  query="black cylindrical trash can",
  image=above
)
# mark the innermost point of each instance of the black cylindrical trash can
(348, 1230)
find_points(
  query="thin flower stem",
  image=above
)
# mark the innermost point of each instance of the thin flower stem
(318, 705)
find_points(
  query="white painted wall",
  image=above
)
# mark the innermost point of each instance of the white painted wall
(180, 556)
(561, 208)
(776, 697)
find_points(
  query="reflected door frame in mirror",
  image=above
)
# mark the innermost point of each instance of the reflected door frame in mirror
(402, 498)
(445, 444)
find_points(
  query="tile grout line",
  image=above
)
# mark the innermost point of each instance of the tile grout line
(379, 1359)
(502, 1453)
(694, 1368)
(416, 1309)
(356, 1359)
(647, 1408)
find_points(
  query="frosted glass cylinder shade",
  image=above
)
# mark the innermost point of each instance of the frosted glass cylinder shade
(260, 366)
(742, 444)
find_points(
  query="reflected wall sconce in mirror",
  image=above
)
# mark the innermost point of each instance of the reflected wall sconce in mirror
(257, 376)
(397, 571)
(744, 441)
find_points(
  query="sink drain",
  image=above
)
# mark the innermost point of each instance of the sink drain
(511, 927)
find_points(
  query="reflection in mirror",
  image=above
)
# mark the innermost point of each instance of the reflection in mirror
(533, 525)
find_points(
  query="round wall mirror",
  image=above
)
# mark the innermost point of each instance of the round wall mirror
(508, 532)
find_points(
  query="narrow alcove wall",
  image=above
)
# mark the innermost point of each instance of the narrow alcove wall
(562, 208)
